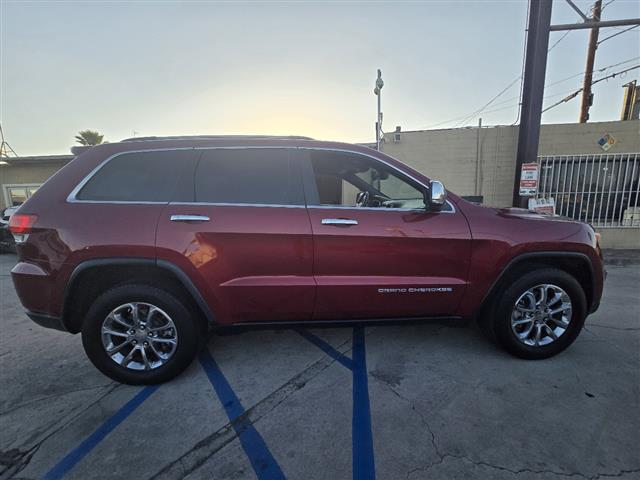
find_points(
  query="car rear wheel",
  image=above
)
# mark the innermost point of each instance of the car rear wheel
(138, 334)
(539, 314)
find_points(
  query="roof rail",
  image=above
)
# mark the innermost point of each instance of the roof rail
(78, 149)
(217, 137)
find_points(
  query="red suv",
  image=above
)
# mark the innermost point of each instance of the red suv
(145, 244)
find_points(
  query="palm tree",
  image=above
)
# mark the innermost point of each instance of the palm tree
(89, 138)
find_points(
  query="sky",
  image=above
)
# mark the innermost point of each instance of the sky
(301, 68)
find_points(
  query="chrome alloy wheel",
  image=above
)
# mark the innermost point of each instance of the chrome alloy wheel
(541, 315)
(139, 336)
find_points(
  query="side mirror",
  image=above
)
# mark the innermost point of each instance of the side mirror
(436, 196)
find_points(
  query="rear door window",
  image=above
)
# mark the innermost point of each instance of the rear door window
(139, 177)
(258, 176)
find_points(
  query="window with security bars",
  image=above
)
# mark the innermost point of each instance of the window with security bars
(599, 189)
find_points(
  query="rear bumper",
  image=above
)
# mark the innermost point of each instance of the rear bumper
(36, 289)
(47, 321)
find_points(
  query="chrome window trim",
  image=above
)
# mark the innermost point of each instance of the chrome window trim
(72, 197)
(224, 204)
(119, 202)
(381, 209)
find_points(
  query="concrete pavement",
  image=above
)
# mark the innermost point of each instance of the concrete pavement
(397, 402)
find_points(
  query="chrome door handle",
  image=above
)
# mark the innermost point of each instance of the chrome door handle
(339, 221)
(189, 218)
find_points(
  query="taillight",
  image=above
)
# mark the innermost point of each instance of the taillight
(20, 226)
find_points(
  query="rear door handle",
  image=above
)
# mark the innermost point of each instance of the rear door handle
(339, 221)
(189, 218)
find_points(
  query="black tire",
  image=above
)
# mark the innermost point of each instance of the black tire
(501, 311)
(187, 328)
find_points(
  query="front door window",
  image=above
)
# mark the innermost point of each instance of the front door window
(350, 180)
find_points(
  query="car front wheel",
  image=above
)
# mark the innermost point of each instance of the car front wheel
(540, 313)
(138, 334)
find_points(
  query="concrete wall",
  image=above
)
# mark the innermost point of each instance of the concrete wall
(620, 238)
(452, 155)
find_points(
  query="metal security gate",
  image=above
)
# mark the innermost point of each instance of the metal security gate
(599, 189)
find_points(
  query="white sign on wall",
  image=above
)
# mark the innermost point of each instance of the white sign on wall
(529, 179)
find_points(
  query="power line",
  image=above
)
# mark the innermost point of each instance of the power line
(524, 56)
(615, 74)
(469, 115)
(559, 40)
(616, 34)
(497, 109)
(490, 101)
(602, 69)
(517, 104)
(575, 94)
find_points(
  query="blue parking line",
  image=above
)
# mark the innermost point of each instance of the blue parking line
(72, 458)
(262, 461)
(364, 467)
(363, 458)
(328, 349)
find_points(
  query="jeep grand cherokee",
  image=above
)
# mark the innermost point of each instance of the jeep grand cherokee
(143, 245)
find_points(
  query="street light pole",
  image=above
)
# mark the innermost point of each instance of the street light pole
(378, 91)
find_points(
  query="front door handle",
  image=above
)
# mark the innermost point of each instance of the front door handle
(339, 221)
(189, 218)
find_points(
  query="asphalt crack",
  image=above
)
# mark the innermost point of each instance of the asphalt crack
(622, 329)
(21, 458)
(443, 456)
(546, 473)
(49, 397)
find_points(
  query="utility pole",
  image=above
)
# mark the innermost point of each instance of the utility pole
(534, 73)
(535, 68)
(587, 96)
(378, 91)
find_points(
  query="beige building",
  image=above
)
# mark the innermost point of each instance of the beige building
(481, 162)
(21, 176)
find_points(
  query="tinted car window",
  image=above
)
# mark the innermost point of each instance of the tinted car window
(340, 177)
(250, 176)
(138, 176)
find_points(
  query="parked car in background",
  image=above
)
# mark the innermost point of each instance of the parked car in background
(7, 243)
(145, 244)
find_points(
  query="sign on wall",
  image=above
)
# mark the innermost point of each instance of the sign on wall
(529, 179)
(606, 142)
